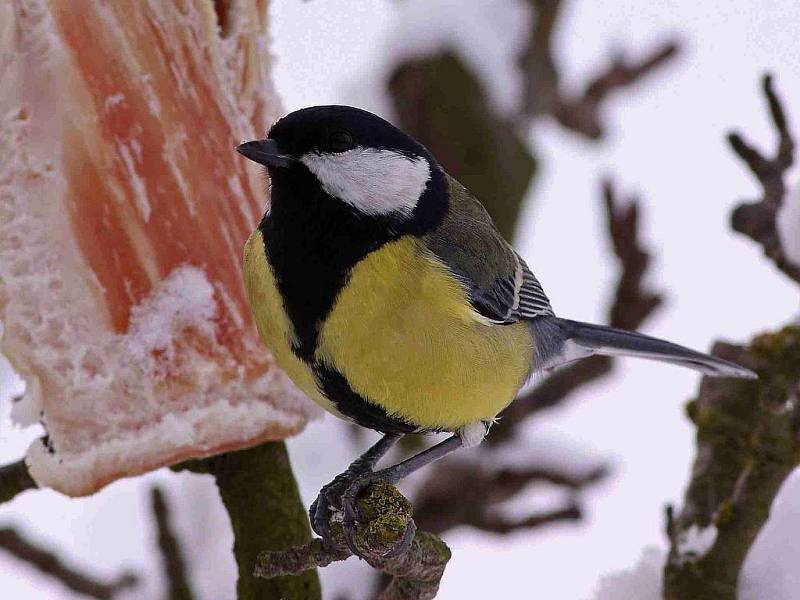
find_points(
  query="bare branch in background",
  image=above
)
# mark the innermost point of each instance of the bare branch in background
(14, 479)
(415, 573)
(49, 563)
(757, 220)
(543, 93)
(466, 493)
(633, 303)
(172, 559)
(748, 432)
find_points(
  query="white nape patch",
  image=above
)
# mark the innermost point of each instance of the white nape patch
(374, 181)
(472, 435)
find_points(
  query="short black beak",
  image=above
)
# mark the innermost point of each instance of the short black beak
(265, 152)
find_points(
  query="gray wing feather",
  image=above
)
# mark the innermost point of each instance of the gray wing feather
(501, 286)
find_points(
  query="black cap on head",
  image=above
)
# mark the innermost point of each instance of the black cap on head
(333, 129)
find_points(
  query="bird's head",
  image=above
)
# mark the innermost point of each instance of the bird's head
(356, 158)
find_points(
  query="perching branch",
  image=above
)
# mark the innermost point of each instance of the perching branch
(757, 220)
(14, 479)
(172, 559)
(415, 573)
(50, 564)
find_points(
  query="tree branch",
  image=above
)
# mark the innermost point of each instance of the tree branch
(757, 220)
(543, 93)
(173, 563)
(415, 573)
(260, 494)
(747, 444)
(468, 492)
(14, 479)
(748, 432)
(50, 564)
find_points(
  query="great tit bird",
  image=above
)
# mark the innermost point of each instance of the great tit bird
(386, 293)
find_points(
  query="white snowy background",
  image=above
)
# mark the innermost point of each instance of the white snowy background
(666, 141)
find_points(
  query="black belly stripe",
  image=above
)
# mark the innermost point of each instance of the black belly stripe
(354, 406)
(312, 241)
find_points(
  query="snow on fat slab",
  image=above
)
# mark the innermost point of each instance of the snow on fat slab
(183, 300)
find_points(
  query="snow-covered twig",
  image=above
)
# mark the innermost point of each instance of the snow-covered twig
(49, 563)
(758, 220)
(14, 479)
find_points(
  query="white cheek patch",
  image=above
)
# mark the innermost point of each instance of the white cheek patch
(374, 181)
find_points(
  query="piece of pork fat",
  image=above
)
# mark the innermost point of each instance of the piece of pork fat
(123, 214)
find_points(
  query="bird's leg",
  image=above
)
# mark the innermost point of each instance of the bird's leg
(390, 475)
(330, 495)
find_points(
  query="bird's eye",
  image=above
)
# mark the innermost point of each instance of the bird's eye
(340, 141)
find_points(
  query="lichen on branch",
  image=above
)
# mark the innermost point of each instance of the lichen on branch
(415, 573)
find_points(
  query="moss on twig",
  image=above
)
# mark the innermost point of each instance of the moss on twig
(748, 443)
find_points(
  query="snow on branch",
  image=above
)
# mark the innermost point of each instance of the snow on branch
(759, 220)
(748, 442)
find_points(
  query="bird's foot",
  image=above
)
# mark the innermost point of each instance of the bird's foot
(327, 508)
(365, 514)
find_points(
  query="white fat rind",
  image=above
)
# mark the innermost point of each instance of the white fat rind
(374, 181)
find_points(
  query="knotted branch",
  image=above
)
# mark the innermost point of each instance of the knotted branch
(748, 432)
(415, 573)
(748, 442)
(579, 113)
(757, 220)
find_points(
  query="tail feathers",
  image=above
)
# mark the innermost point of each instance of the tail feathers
(583, 339)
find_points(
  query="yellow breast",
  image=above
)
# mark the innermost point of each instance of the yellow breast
(404, 335)
(272, 321)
